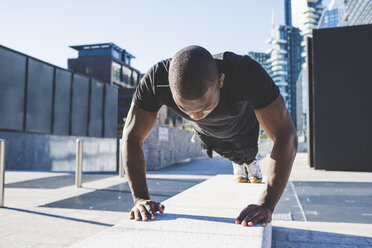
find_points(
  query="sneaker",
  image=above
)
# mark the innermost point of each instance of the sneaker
(240, 173)
(254, 172)
(241, 180)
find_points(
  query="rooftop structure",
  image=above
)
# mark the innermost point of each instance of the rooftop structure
(104, 49)
(107, 62)
(110, 64)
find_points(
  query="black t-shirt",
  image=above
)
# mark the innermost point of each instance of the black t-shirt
(247, 86)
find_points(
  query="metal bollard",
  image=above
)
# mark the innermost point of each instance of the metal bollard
(79, 162)
(2, 171)
(121, 166)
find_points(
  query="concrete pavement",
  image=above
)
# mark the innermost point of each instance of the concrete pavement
(201, 216)
(42, 210)
(334, 208)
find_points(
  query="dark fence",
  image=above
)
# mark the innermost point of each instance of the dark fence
(341, 99)
(37, 97)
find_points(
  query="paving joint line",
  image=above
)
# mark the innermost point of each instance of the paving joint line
(298, 201)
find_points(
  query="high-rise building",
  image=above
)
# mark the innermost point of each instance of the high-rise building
(110, 64)
(340, 13)
(261, 58)
(287, 13)
(358, 12)
(302, 100)
(285, 60)
(333, 15)
(306, 15)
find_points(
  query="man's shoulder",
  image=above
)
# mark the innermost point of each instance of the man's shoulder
(230, 61)
(228, 56)
(158, 73)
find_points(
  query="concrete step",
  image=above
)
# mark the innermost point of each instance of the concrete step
(202, 216)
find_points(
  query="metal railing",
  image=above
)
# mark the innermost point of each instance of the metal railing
(79, 163)
(78, 171)
(121, 165)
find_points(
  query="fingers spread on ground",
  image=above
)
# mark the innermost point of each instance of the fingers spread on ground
(149, 209)
(257, 219)
(137, 214)
(144, 213)
(251, 216)
(160, 208)
(242, 215)
(131, 215)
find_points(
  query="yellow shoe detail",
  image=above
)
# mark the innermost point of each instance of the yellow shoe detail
(241, 180)
(255, 180)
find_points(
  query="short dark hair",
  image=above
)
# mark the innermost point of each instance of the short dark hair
(192, 71)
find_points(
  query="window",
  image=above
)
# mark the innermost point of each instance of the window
(88, 70)
(135, 78)
(127, 75)
(115, 54)
(116, 71)
(127, 59)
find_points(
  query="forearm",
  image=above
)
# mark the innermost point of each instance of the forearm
(282, 156)
(135, 168)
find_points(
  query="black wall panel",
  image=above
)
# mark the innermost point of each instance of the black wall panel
(96, 109)
(111, 112)
(79, 114)
(62, 102)
(342, 94)
(12, 89)
(39, 97)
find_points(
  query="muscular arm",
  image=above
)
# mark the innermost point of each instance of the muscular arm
(278, 124)
(137, 128)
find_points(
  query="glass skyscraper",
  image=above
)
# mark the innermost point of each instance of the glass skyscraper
(306, 14)
(341, 13)
(285, 59)
(358, 12)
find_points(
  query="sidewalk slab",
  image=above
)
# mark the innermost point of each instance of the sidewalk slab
(202, 216)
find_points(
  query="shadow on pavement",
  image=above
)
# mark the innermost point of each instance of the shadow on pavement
(119, 198)
(170, 216)
(57, 181)
(291, 237)
(59, 216)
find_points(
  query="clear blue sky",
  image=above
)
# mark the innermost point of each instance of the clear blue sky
(150, 30)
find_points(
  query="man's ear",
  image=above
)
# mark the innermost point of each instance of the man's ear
(222, 78)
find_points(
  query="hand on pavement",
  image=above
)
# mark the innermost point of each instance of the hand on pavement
(254, 214)
(145, 209)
